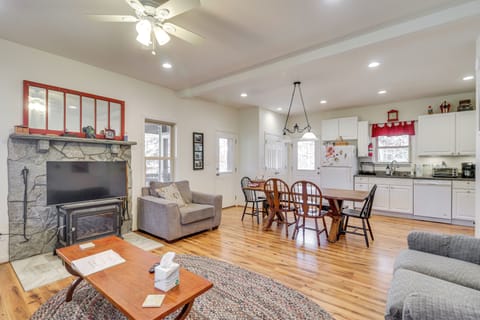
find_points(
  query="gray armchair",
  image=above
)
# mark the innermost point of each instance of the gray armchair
(164, 219)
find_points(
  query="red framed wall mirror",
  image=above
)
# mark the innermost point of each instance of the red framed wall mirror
(54, 110)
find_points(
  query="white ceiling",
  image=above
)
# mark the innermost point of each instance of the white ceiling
(261, 46)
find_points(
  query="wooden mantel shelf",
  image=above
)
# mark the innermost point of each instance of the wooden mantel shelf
(69, 139)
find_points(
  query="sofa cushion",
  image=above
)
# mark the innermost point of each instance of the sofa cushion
(449, 269)
(428, 307)
(196, 212)
(183, 186)
(171, 193)
(464, 248)
(406, 282)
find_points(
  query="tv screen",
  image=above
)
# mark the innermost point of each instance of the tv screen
(73, 181)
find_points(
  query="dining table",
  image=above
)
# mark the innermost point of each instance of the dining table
(335, 198)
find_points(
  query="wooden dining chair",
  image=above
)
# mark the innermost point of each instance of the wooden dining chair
(251, 197)
(279, 201)
(363, 214)
(307, 200)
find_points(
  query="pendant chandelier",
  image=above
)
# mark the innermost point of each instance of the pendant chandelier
(308, 135)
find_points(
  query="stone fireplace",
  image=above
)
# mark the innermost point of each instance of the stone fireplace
(39, 231)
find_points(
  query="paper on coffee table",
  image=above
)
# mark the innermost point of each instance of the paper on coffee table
(97, 262)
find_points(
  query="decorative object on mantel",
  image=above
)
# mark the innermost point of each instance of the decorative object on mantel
(89, 132)
(391, 129)
(197, 151)
(392, 115)
(109, 134)
(52, 110)
(308, 135)
(21, 130)
(465, 105)
(444, 107)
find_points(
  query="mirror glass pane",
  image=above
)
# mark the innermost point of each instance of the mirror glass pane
(115, 115)
(88, 112)
(102, 116)
(73, 113)
(55, 110)
(36, 107)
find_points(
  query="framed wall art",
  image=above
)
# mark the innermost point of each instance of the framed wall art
(198, 151)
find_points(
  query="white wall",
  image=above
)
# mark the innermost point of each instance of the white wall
(477, 174)
(142, 100)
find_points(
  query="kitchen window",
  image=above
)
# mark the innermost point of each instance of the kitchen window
(393, 148)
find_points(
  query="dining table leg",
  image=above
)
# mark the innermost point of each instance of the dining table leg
(336, 214)
(271, 216)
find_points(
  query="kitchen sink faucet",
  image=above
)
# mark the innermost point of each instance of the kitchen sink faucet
(393, 167)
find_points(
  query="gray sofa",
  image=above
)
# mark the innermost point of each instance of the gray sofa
(437, 277)
(164, 219)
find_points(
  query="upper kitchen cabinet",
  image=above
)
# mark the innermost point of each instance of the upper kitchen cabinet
(333, 129)
(447, 134)
(363, 139)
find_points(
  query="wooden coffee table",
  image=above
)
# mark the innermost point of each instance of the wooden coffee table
(127, 285)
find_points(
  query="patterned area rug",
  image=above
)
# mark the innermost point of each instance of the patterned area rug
(236, 294)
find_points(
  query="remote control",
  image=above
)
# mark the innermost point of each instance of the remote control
(152, 269)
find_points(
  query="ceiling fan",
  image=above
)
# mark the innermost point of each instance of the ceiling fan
(152, 17)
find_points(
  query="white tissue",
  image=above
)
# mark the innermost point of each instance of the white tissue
(167, 274)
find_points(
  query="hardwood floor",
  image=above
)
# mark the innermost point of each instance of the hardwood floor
(347, 279)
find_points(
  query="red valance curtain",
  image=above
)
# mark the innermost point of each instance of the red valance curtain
(391, 129)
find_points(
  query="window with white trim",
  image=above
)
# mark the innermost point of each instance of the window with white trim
(393, 148)
(306, 155)
(159, 153)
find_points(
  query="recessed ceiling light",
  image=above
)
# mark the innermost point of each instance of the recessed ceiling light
(382, 91)
(323, 101)
(466, 78)
(167, 65)
(243, 95)
(373, 64)
(279, 109)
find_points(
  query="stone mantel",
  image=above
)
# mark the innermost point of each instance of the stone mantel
(69, 139)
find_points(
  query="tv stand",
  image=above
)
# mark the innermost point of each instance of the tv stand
(85, 221)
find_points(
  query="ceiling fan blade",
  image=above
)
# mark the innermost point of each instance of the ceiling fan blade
(176, 7)
(135, 5)
(182, 33)
(112, 18)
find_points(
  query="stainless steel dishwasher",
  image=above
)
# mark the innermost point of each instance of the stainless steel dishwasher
(432, 198)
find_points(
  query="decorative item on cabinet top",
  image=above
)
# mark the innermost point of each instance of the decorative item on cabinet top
(465, 105)
(392, 115)
(445, 107)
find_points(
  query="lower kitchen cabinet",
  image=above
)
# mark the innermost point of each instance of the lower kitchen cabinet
(463, 200)
(392, 194)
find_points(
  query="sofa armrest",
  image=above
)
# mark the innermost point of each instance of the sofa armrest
(434, 243)
(212, 199)
(425, 307)
(159, 217)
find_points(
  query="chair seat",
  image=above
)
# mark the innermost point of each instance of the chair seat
(351, 213)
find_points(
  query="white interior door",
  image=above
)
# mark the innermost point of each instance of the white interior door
(226, 168)
(306, 161)
(276, 156)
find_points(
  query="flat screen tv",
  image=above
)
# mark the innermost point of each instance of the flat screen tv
(74, 181)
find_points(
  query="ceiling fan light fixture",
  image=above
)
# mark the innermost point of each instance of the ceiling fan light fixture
(161, 36)
(144, 30)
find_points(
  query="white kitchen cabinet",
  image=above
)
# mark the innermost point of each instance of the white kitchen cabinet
(363, 138)
(392, 194)
(333, 129)
(361, 183)
(401, 198)
(436, 134)
(463, 200)
(446, 134)
(465, 132)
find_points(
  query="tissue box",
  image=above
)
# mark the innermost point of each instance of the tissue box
(167, 277)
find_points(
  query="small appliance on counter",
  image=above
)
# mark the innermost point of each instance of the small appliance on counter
(468, 170)
(445, 172)
(367, 168)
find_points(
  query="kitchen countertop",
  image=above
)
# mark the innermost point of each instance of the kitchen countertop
(406, 175)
